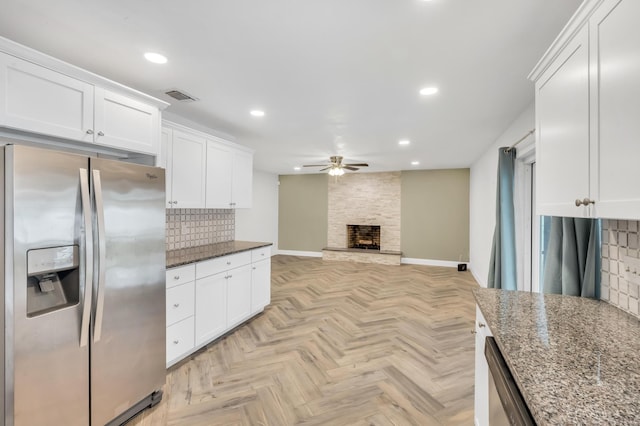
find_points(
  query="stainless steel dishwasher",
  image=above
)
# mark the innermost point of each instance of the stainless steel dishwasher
(506, 405)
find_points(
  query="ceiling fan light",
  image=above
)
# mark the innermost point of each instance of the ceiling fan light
(336, 171)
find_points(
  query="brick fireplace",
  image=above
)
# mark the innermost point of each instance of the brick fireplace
(366, 237)
(372, 201)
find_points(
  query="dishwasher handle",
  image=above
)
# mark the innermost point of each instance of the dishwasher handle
(514, 406)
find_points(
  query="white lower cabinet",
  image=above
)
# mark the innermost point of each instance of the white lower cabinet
(260, 285)
(179, 340)
(211, 307)
(180, 302)
(214, 296)
(481, 399)
(238, 295)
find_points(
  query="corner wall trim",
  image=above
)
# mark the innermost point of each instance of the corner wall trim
(300, 253)
(430, 262)
(481, 283)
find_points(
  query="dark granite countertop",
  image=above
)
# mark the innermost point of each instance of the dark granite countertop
(575, 360)
(196, 254)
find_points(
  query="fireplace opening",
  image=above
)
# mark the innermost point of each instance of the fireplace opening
(365, 237)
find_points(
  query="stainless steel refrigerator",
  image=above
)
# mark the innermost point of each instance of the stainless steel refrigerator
(83, 284)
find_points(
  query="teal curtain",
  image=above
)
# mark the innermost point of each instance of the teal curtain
(572, 257)
(502, 269)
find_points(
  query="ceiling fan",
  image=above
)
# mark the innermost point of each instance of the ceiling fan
(336, 168)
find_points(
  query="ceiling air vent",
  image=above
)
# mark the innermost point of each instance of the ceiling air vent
(180, 95)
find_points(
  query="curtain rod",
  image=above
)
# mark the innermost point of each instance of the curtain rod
(530, 132)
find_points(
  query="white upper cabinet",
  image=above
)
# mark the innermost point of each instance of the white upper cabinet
(229, 177)
(219, 176)
(587, 109)
(124, 123)
(44, 101)
(186, 166)
(242, 180)
(562, 115)
(210, 172)
(615, 41)
(43, 96)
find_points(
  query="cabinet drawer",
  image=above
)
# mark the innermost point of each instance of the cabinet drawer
(179, 338)
(181, 275)
(260, 254)
(180, 302)
(221, 264)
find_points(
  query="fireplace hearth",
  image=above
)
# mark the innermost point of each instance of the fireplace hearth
(364, 237)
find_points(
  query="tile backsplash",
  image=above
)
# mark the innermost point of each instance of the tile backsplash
(620, 238)
(199, 227)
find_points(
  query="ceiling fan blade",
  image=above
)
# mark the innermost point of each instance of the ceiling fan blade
(348, 167)
(357, 165)
(315, 165)
(326, 168)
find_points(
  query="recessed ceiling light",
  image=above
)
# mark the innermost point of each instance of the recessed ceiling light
(156, 58)
(257, 113)
(429, 91)
(296, 168)
(415, 163)
(404, 142)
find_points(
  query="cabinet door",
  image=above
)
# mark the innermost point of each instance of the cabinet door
(164, 160)
(615, 40)
(260, 285)
(179, 340)
(219, 166)
(38, 100)
(562, 113)
(238, 295)
(180, 302)
(242, 181)
(188, 162)
(211, 307)
(481, 397)
(124, 123)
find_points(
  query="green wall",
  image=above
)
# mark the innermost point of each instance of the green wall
(303, 211)
(434, 218)
(435, 214)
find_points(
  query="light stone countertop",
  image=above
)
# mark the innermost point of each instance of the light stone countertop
(575, 360)
(196, 254)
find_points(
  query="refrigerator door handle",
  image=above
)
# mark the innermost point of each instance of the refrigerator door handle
(102, 255)
(88, 257)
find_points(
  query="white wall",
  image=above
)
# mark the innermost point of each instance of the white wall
(260, 223)
(482, 198)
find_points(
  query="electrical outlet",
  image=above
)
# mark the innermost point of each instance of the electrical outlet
(631, 269)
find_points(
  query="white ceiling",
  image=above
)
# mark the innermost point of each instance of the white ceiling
(333, 76)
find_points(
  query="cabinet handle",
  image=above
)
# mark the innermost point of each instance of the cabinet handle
(89, 131)
(473, 332)
(177, 277)
(100, 133)
(254, 268)
(175, 305)
(585, 202)
(175, 342)
(230, 276)
(175, 202)
(228, 263)
(481, 324)
(261, 254)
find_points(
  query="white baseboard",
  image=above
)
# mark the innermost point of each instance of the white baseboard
(300, 253)
(430, 262)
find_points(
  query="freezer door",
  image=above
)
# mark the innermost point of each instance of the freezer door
(128, 340)
(47, 366)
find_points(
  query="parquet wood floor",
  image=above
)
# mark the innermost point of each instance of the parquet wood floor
(341, 344)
